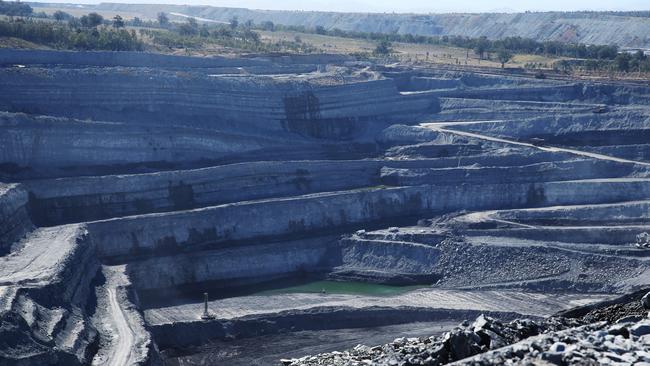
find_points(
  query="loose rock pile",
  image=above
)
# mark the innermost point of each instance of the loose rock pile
(593, 339)
(643, 241)
(464, 341)
(594, 344)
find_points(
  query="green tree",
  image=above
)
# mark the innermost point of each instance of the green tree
(204, 31)
(640, 55)
(91, 20)
(15, 8)
(250, 36)
(268, 26)
(504, 56)
(622, 61)
(118, 22)
(163, 20)
(234, 23)
(189, 28)
(74, 23)
(60, 16)
(481, 47)
(384, 48)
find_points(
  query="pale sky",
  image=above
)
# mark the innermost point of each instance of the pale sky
(402, 6)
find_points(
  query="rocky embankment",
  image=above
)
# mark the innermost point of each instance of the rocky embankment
(589, 339)
(466, 340)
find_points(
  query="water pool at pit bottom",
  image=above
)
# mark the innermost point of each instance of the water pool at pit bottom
(194, 293)
(339, 287)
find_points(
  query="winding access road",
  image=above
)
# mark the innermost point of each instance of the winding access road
(440, 127)
(121, 352)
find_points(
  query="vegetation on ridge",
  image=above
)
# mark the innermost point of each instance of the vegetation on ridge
(94, 32)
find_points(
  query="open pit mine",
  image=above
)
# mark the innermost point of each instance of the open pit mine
(320, 202)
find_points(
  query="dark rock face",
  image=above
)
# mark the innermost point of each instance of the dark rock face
(14, 215)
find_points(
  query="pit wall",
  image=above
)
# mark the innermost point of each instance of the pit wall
(145, 59)
(376, 261)
(383, 261)
(594, 93)
(623, 236)
(75, 272)
(14, 216)
(283, 217)
(41, 143)
(541, 172)
(609, 128)
(238, 104)
(414, 81)
(33, 147)
(639, 152)
(229, 267)
(47, 320)
(455, 109)
(622, 212)
(333, 112)
(551, 93)
(306, 215)
(78, 199)
(66, 200)
(149, 96)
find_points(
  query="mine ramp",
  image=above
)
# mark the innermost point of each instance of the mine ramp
(314, 198)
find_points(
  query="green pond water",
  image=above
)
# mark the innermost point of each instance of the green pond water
(337, 287)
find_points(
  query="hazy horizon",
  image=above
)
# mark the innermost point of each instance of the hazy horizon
(388, 6)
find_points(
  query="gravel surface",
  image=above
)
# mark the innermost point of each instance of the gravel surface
(466, 340)
(588, 339)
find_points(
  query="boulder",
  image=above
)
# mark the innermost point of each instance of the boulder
(462, 344)
(640, 329)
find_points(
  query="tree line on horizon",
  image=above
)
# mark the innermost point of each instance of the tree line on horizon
(92, 31)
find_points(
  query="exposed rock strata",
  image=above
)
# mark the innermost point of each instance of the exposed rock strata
(44, 297)
(14, 216)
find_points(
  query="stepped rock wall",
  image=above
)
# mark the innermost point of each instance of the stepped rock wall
(387, 262)
(91, 198)
(237, 265)
(541, 172)
(539, 92)
(38, 143)
(284, 217)
(297, 216)
(44, 304)
(14, 217)
(238, 104)
(373, 261)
